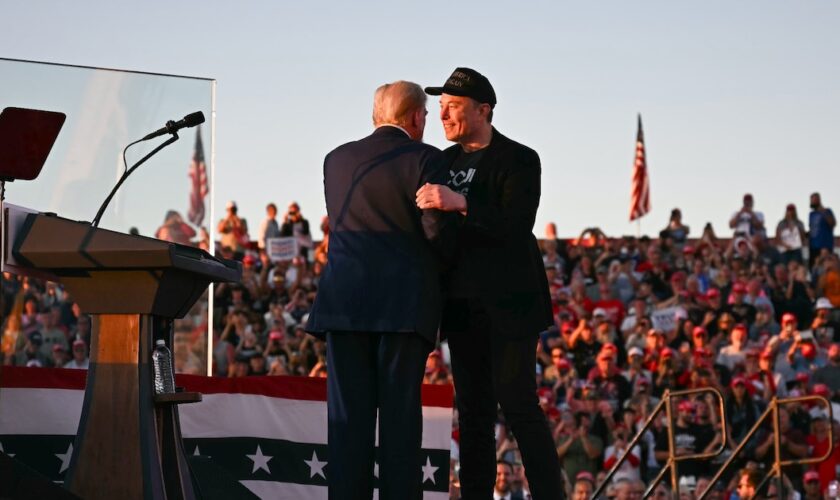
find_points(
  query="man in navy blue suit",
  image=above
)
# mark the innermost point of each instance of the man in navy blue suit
(497, 292)
(379, 301)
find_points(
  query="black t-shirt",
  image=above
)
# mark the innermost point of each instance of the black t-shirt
(743, 313)
(462, 171)
(694, 437)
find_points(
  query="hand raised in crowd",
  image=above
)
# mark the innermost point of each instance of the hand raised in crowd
(440, 197)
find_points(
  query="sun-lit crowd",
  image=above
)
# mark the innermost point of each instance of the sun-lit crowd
(748, 313)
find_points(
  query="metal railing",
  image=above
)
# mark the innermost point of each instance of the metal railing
(778, 463)
(673, 459)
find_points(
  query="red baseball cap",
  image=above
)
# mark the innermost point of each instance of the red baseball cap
(605, 354)
(788, 318)
(688, 250)
(740, 326)
(699, 331)
(739, 381)
(833, 350)
(821, 390)
(811, 475)
(685, 405)
(610, 347)
(739, 287)
(666, 352)
(808, 350)
(567, 327)
(802, 377)
(275, 335)
(712, 293)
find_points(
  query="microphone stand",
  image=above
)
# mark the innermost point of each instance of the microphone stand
(128, 172)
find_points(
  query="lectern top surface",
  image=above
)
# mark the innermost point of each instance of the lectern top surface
(66, 247)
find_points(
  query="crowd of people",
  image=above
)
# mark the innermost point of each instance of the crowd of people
(753, 315)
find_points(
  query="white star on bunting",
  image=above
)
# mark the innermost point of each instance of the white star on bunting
(260, 461)
(429, 471)
(2, 451)
(315, 466)
(65, 458)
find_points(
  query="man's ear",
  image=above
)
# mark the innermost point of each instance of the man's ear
(418, 117)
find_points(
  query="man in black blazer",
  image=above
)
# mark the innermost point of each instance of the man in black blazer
(497, 292)
(379, 301)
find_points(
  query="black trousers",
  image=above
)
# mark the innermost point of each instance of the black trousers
(369, 372)
(491, 367)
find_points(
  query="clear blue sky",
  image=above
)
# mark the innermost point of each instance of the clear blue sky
(735, 96)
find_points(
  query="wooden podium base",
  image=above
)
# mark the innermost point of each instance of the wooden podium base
(127, 446)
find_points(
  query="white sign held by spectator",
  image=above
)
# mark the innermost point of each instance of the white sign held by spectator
(664, 320)
(281, 249)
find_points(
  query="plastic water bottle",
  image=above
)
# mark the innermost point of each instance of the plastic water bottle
(162, 361)
(833, 490)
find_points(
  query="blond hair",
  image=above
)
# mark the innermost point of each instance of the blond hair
(393, 103)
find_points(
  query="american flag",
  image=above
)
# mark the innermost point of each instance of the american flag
(198, 182)
(640, 188)
(269, 433)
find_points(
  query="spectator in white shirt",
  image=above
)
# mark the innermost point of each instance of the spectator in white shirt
(80, 357)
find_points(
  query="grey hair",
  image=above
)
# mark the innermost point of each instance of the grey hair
(394, 102)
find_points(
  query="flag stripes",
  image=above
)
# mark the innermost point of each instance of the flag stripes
(267, 432)
(640, 187)
(199, 186)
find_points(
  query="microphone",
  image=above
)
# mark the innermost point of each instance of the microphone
(191, 120)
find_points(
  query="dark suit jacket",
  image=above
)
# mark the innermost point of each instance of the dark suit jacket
(497, 258)
(382, 272)
(288, 227)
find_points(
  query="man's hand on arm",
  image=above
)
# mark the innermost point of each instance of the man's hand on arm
(440, 197)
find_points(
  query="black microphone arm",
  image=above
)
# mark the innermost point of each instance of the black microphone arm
(191, 120)
(171, 127)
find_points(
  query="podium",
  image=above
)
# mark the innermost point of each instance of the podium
(128, 445)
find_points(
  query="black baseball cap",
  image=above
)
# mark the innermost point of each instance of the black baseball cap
(466, 82)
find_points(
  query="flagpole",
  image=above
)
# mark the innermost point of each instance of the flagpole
(211, 227)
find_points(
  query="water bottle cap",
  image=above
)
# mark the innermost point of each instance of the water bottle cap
(160, 342)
